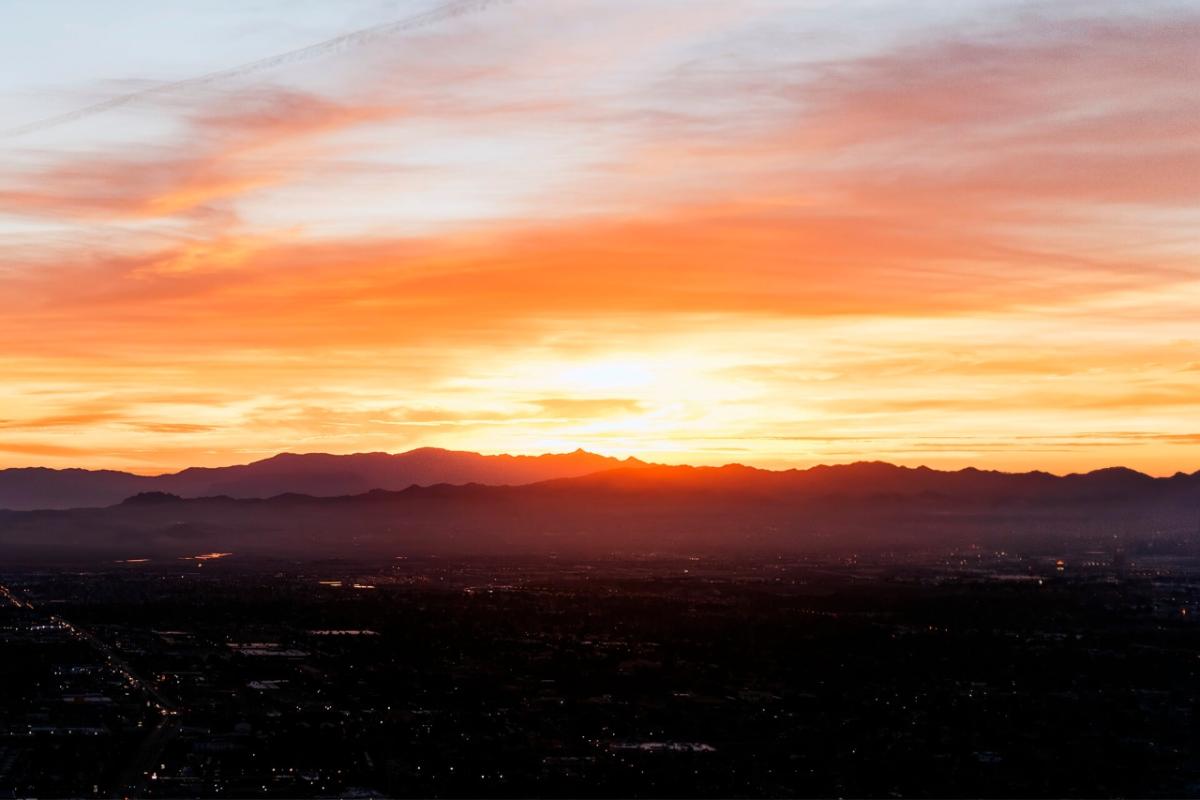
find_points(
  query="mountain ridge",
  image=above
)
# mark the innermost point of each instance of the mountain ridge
(642, 508)
(333, 475)
(319, 474)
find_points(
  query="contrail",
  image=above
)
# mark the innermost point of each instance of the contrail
(454, 8)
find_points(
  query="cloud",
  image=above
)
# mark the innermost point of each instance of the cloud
(171, 427)
(980, 230)
(82, 420)
(42, 449)
(242, 142)
(577, 408)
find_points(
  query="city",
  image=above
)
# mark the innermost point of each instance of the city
(967, 672)
(599, 399)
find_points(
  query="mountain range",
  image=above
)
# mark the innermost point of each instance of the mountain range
(624, 506)
(316, 474)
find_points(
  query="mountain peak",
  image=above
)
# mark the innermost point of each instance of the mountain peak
(315, 473)
(327, 475)
(150, 498)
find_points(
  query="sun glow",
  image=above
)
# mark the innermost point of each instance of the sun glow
(611, 375)
(663, 231)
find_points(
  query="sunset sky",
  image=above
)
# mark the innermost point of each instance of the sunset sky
(777, 232)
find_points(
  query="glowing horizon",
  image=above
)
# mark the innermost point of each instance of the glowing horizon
(690, 231)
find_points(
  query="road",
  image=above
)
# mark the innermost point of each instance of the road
(7, 594)
(142, 763)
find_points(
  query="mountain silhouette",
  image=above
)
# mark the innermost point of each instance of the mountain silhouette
(316, 474)
(641, 508)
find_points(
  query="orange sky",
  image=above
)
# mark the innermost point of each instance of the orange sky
(779, 233)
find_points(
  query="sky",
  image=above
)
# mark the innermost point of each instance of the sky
(774, 232)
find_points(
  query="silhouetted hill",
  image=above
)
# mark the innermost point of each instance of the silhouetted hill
(731, 509)
(147, 498)
(877, 479)
(316, 474)
(40, 487)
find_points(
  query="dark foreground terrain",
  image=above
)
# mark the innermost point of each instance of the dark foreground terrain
(971, 672)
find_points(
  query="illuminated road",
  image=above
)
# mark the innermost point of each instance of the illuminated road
(7, 594)
(115, 663)
(133, 777)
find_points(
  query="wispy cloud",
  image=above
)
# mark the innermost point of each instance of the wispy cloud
(976, 225)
